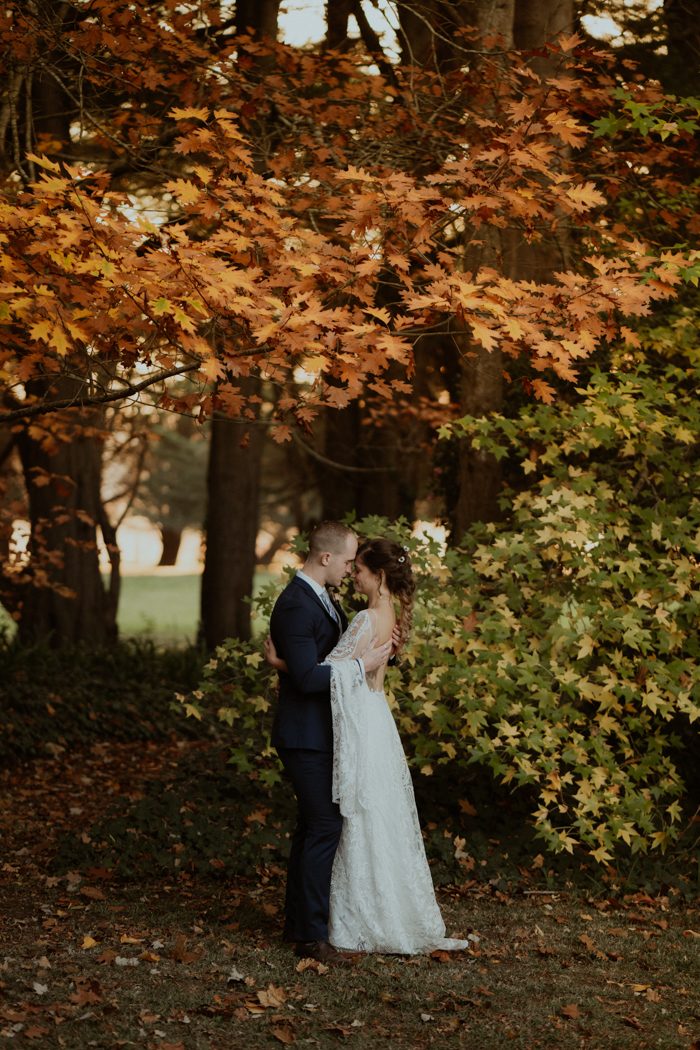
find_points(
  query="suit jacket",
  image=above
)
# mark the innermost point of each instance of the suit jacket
(303, 632)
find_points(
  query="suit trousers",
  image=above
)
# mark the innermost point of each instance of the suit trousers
(314, 844)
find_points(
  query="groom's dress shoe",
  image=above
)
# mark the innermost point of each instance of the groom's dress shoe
(322, 952)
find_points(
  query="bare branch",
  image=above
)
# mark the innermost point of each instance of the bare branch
(34, 410)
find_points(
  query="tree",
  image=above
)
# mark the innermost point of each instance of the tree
(298, 235)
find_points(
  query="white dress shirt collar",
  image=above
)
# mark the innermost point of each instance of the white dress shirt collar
(316, 587)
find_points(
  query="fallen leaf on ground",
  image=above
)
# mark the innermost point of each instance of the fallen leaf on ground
(272, 996)
(283, 1034)
(311, 964)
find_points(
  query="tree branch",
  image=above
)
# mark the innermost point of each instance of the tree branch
(34, 410)
(344, 467)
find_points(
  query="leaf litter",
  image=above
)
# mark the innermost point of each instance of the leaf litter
(89, 959)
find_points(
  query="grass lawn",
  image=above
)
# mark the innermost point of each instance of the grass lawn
(195, 962)
(163, 607)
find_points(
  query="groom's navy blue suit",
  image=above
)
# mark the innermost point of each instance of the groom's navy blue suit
(304, 632)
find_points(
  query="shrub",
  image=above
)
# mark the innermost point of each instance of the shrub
(558, 648)
(79, 694)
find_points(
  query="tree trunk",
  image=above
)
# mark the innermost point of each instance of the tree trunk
(66, 601)
(170, 539)
(480, 370)
(479, 475)
(257, 16)
(233, 510)
(235, 451)
(362, 471)
(682, 19)
(63, 600)
(337, 14)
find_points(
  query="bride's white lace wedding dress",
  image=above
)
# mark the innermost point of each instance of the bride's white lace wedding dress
(382, 896)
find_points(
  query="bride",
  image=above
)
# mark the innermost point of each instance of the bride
(382, 897)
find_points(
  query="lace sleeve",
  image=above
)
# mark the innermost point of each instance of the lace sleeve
(348, 691)
(356, 640)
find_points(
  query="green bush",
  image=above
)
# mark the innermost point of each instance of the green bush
(559, 648)
(79, 694)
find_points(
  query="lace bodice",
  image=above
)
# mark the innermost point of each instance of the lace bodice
(355, 642)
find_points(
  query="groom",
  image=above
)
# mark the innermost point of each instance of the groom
(305, 625)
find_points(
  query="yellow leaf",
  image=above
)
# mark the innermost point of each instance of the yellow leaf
(41, 330)
(212, 368)
(202, 172)
(584, 196)
(190, 113)
(43, 162)
(88, 942)
(59, 341)
(486, 336)
(185, 191)
(684, 435)
(586, 647)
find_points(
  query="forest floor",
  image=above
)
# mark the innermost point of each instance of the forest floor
(195, 962)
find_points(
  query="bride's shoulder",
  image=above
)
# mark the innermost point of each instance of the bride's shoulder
(364, 618)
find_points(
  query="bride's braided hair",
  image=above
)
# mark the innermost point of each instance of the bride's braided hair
(392, 559)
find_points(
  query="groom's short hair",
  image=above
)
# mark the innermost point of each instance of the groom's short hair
(329, 536)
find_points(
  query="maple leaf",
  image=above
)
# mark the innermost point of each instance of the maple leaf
(272, 996)
(543, 391)
(189, 113)
(483, 335)
(44, 162)
(41, 330)
(185, 191)
(584, 196)
(212, 368)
